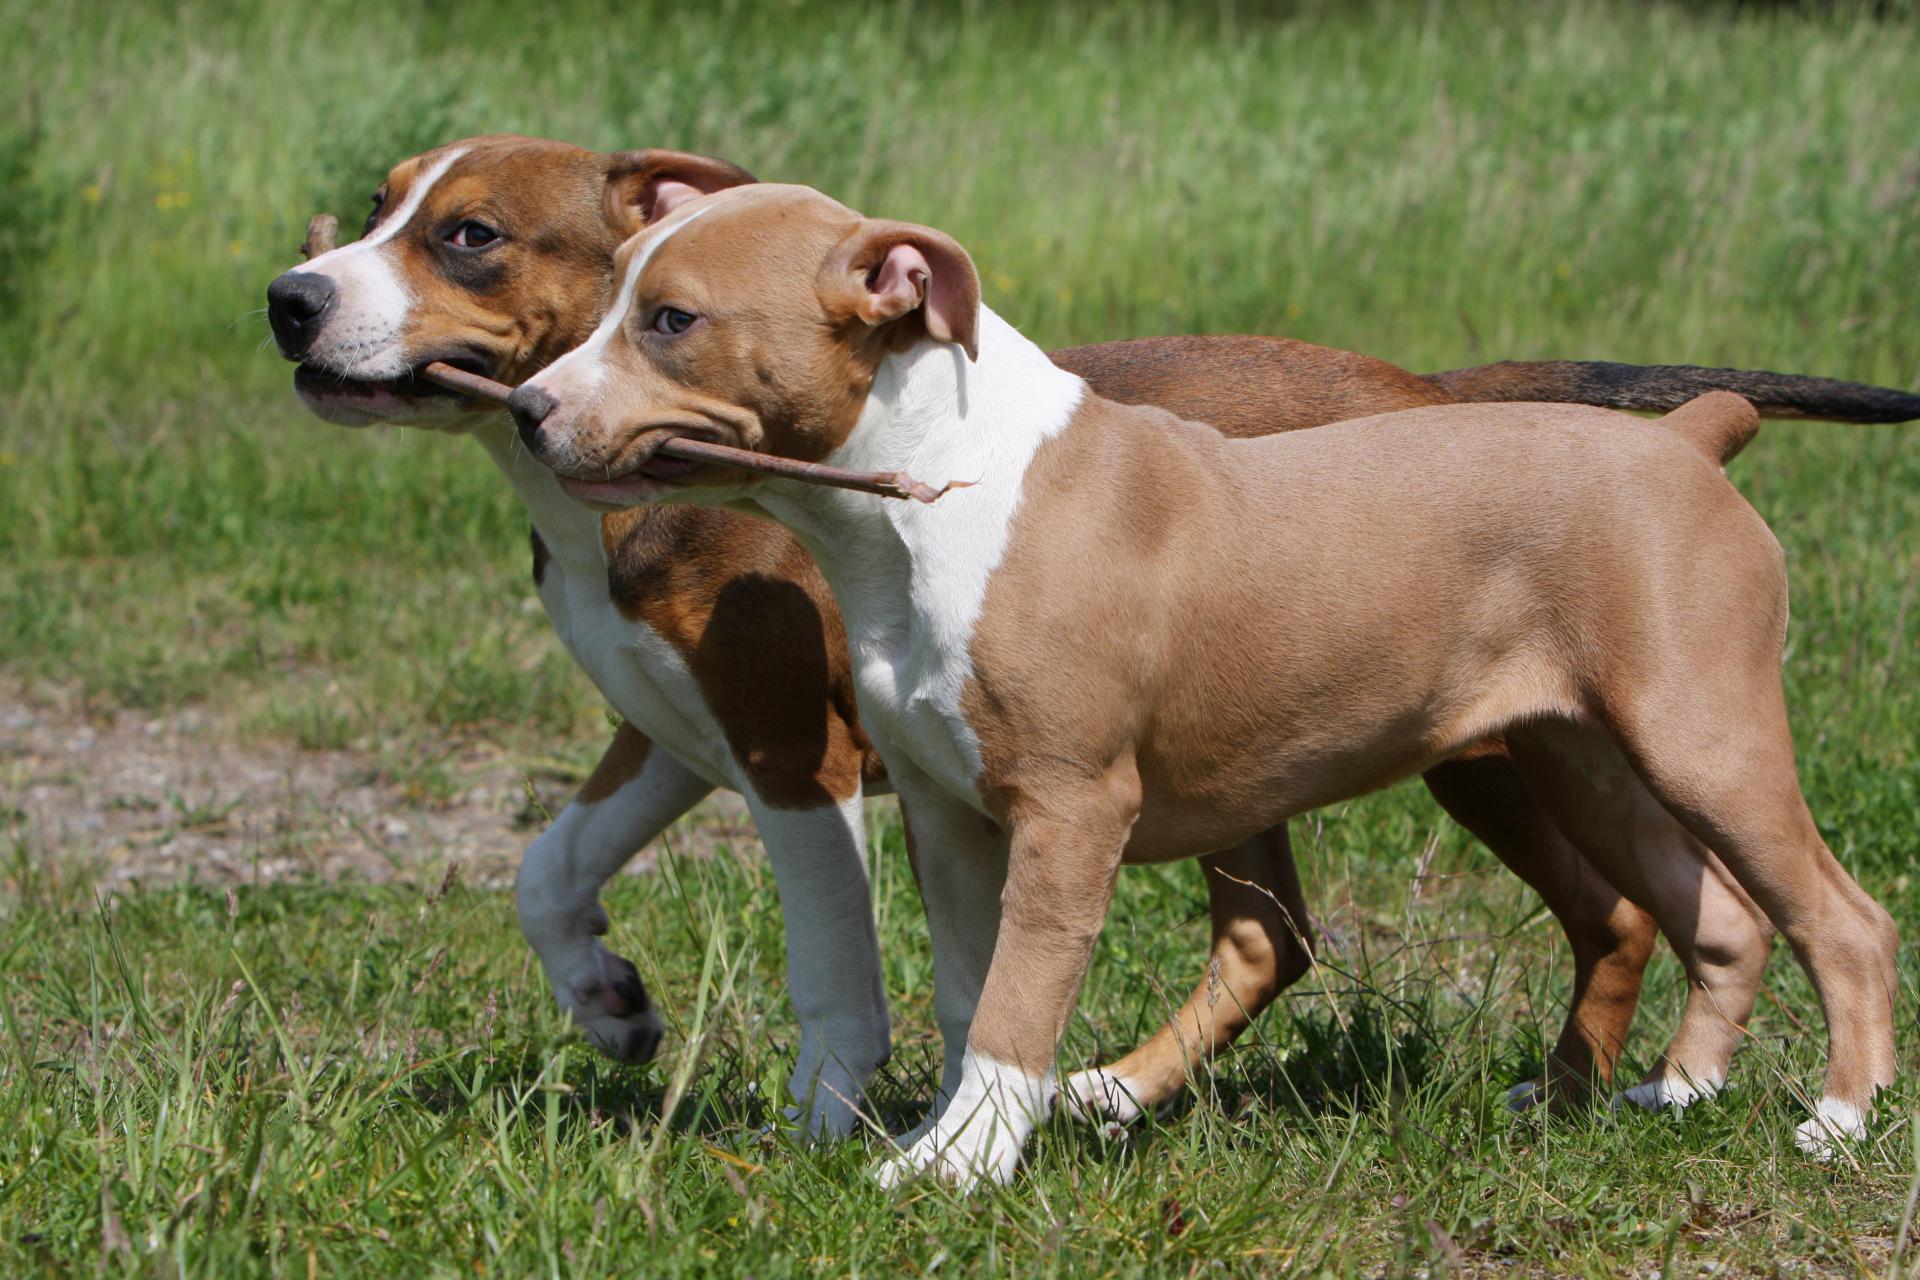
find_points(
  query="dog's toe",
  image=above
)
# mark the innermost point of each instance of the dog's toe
(1097, 1096)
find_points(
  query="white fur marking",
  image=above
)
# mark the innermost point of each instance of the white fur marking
(558, 895)
(911, 578)
(1525, 1096)
(361, 338)
(583, 362)
(1678, 1091)
(983, 1130)
(1834, 1123)
(623, 301)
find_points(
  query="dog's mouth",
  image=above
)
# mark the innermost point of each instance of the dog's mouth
(642, 472)
(317, 382)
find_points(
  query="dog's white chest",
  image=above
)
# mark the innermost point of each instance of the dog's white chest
(912, 579)
(636, 669)
(910, 702)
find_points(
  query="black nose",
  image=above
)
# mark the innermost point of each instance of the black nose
(530, 406)
(297, 304)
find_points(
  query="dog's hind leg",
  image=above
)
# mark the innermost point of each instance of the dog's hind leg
(1261, 945)
(1611, 937)
(632, 795)
(1714, 745)
(1721, 938)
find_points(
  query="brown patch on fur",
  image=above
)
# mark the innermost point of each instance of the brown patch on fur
(634, 178)
(755, 623)
(517, 305)
(625, 757)
(1248, 386)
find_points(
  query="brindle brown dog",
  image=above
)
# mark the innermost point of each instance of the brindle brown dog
(495, 254)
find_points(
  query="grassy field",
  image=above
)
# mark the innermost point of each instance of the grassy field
(336, 1078)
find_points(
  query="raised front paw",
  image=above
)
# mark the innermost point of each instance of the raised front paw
(609, 1002)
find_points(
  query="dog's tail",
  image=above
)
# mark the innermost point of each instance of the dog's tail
(1718, 423)
(1663, 387)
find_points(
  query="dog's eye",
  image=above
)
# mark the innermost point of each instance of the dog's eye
(373, 214)
(472, 235)
(671, 321)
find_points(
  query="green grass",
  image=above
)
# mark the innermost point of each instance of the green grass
(386, 1092)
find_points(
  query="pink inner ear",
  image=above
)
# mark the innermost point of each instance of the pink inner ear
(899, 283)
(666, 195)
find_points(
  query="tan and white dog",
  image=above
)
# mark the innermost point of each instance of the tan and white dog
(496, 254)
(1131, 639)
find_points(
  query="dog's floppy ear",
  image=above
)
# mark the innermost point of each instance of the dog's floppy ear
(889, 271)
(645, 186)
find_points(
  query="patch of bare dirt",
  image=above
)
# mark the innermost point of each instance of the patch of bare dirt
(144, 798)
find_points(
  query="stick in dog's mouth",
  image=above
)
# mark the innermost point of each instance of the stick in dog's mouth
(888, 484)
(323, 231)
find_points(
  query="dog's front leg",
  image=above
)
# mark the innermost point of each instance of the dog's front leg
(819, 858)
(632, 795)
(1061, 866)
(960, 883)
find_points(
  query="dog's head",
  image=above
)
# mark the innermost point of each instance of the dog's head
(755, 318)
(493, 254)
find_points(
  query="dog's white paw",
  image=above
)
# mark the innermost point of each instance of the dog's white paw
(1100, 1098)
(1834, 1123)
(982, 1148)
(606, 998)
(980, 1134)
(1666, 1091)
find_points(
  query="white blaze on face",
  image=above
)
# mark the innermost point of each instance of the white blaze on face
(360, 339)
(572, 379)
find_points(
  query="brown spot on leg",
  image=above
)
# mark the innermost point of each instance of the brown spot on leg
(625, 756)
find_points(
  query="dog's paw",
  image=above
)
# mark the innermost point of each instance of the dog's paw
(984, 1148)
(831, 1108)
(1527, 1095)
(1100, 1098)
(1834, 1124)
(609, 1003)
(1661, 1092)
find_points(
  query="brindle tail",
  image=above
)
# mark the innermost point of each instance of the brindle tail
(1665, 387)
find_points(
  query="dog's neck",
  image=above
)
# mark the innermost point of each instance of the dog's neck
(904, 566)
(571, 532)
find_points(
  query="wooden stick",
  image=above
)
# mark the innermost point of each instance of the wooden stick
(888, 484)
(323, 233)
